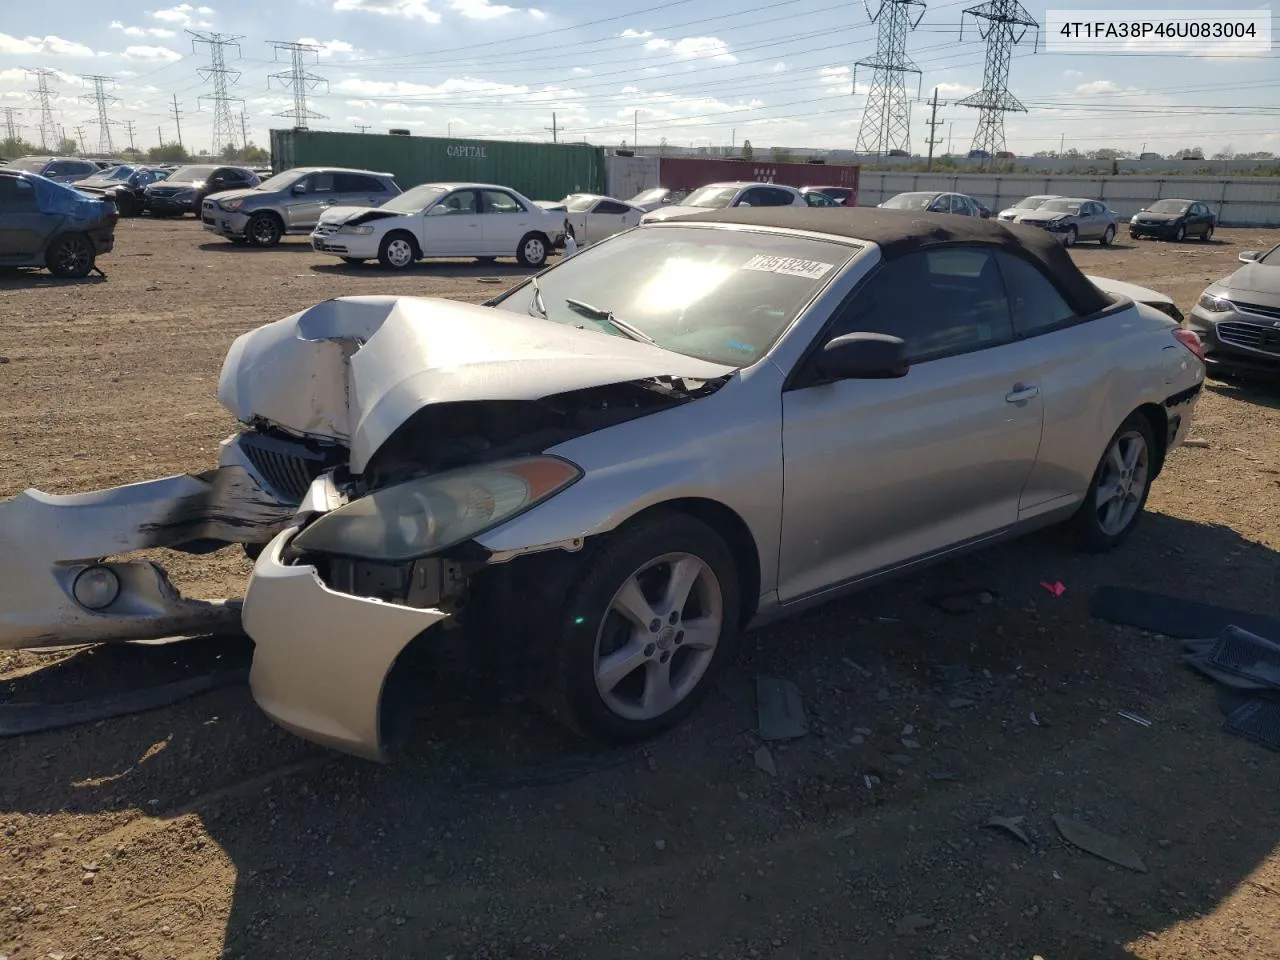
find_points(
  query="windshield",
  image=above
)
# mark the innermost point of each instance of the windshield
(1272, 257)
(114, 173)
(579, 202)
(1031, 203)
(649, 196)
(1061, 206)
(710, 197)
(416, 199)
(27, 164)
(719, 295)
(190, 174)
(281, 181)
(1169, 206)
(910, 201)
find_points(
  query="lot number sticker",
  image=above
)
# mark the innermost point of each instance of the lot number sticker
(789, 266)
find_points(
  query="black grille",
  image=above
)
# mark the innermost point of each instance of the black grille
(1254, 336)
(1272, 312)
(287, 467)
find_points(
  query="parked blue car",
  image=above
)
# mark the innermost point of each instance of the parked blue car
(47, 224)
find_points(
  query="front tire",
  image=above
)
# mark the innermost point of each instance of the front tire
(646, 629)
(1069, 238)
(264, 230)
(70, 257)
(1108, 237)
(397, 251)
(1121, 483)
(532, 251)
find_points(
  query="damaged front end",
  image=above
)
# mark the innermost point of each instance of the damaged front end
(366, 391)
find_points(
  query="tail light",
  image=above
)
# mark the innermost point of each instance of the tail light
(1191, 340)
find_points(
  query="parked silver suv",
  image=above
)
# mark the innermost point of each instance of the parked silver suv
(291, 202)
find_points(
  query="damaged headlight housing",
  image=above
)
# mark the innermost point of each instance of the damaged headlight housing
(423, 516)
(361, 229)
(1214, 304)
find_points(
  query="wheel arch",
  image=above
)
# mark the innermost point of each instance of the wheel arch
(417, 246)
(1158, 417)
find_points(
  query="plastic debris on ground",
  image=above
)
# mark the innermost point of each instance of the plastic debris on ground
(1099, 844)
(779, 709)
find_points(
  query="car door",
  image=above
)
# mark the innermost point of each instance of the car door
(752, 197)
(1089, 223)
(606, 218)
(960, 206)
(303, 207)
(940, 204)
(503, 222)
(1200, 219)
(23, 228)
(880, 472)
(451, 228)
(360, 190)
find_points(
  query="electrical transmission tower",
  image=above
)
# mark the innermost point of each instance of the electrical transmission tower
(886, 121)
(43, 95)
(103, 99)
(1007, 22)
(222, 77)
(299, 79)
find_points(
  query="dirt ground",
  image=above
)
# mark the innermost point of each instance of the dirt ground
(201, 830)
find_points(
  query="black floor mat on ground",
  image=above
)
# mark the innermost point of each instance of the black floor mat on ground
(1258, 720)
(1175, 617)
(1247, 655)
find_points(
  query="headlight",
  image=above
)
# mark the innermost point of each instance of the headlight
(1211, 304)
(362, 229)
(424, 516)
(1134, 218)
(231, 206)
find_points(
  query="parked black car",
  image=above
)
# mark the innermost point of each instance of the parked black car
(1174, 220)
(125, 185)
(48, 224)
(59, 169)
(185, 189)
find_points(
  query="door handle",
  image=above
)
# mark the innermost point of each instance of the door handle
(1021, 392)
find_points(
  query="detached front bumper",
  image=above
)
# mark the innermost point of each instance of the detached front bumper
(321, 657)
(47, 541)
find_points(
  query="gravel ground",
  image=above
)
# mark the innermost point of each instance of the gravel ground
(200, 830)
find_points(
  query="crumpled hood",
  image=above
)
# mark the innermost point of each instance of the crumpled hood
(353, 369)
(1255, 278)
(343, 214)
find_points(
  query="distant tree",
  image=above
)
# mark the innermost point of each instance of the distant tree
(1256, 155)
(13, 147)
(168, 153)
(1106, 153)
(1190, 153)
(747, 152)
(1044, 153)
(246, 154)
(1226, 153)
(67, 147)
(781, 155)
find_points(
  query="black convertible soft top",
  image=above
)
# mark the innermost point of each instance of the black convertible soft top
(900, 232)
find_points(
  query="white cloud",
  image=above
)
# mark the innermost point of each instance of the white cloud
(52, 46)
(629, 34)
(408, 9)
(1072, 73)
(152, 54)
(953, 91)
(184, 15)
(1099, 86)
(698, 48)
(778, 67)
(453, 87)
(331, 47)
(480, 9)
(536, 13)
(141, 31)
(581, 72)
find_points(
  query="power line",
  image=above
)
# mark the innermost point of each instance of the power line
(1007, 24)
(217, 72)
(102, 99)
(886, 120)
(299, 80)
(44, 95)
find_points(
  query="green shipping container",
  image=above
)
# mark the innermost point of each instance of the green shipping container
(541, 171)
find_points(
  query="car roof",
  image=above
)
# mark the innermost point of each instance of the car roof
(466, 185)
(374, 173)
(901, 232)
(1077, 199)
(744, 183)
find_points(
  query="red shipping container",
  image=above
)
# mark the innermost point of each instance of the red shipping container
(689, 173)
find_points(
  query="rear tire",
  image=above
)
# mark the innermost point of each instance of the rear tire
(532, 250)
(1118, 492)
(1108, 237)
(70, 256)
(1208, 233)
(1180, 234)
(398, 251)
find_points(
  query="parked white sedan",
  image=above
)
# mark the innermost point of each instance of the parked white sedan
(442, 220)
(595, 217)
(718, 196)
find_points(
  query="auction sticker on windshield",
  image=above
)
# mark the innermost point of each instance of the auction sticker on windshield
(790, 266)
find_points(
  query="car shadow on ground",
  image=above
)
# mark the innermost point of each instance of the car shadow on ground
(499, 836)
(30, 278)
(1258, 390)
(284, 246)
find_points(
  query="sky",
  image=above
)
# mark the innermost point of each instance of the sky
(693, 72)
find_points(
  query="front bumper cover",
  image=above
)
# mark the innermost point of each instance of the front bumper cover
(46, 540)
(1229, 356)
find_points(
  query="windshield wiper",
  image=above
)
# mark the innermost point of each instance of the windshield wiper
(596, 313)
(537, 303)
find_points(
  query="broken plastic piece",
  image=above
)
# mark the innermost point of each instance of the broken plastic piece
(1011, 825)
(1057, 588)
(1098, 843)
(779, 709)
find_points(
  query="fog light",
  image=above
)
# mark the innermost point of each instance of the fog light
(96, 587)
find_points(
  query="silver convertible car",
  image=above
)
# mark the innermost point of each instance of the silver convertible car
(601, 477)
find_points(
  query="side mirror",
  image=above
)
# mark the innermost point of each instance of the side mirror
(438, 211)
(1249, 256)
(863, 356)
(298, 188)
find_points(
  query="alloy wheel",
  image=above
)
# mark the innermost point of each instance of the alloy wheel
(658, 636)
(73, 256)
(265, 231)
(1123, 482)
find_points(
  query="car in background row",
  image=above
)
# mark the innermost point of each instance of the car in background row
(656, 197)
(1174, 220)
(1072, 219)
(185, 189)
(291, 202)
(1238, 317)
(52, 225)
(815, 198)
(719, 196)
(57, 169)
(594, 216)
(1025, 206)
(930, 201)
(843, 196)
(124, 185)
(480, 220)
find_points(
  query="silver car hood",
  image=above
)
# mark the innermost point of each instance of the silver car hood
(1256, 278)
(355, 368)
(674, 210)
(1131, 290)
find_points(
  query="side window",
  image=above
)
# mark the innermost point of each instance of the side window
(782, 198)
(356, 183)
(85, 167)
(497, 201)
(462, 201)
(1034, 301)
(941, 204)
(320, 183)
(941, 302)
(57, 169)
(754, 197)
(17, 196)
(958, 205)
(609, 207)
